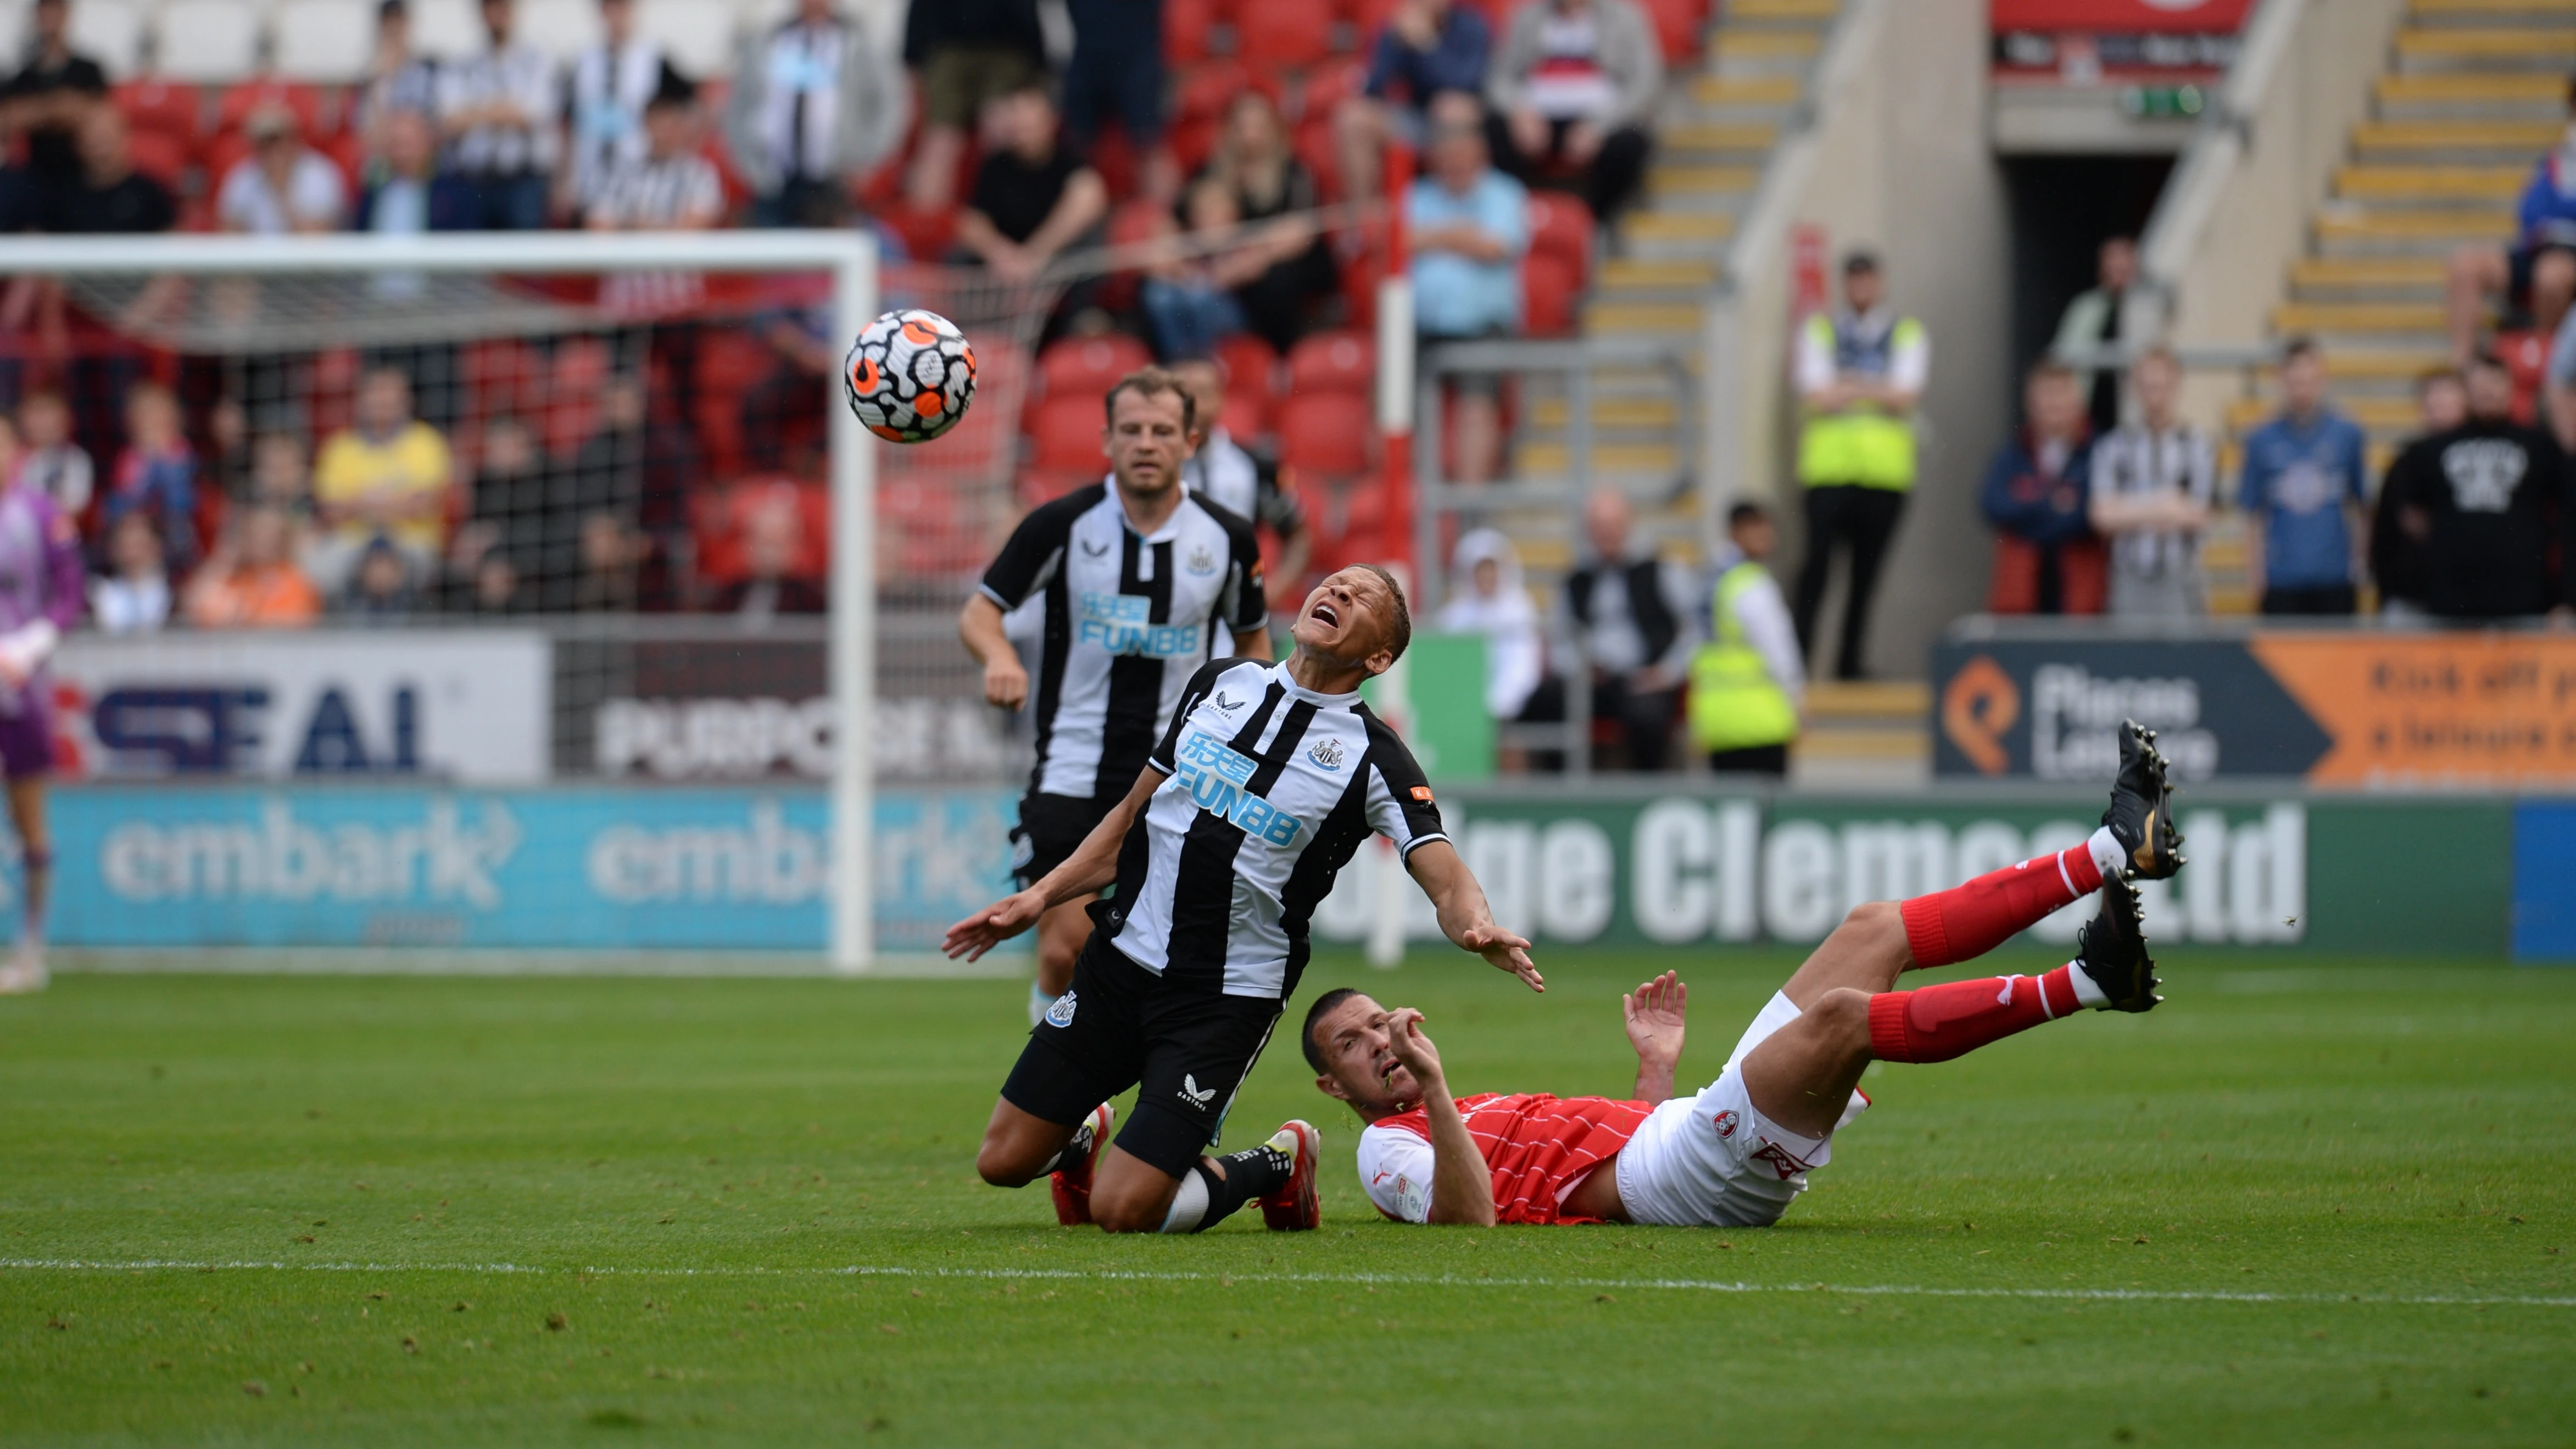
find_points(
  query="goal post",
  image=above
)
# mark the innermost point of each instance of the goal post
(848, 258)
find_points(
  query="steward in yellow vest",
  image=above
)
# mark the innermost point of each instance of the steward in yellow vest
(1860, 373)
(1747, 682)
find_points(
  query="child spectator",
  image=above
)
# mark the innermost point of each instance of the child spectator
(134, 597)
(156, 475)
(1428, 46)
(1573, 88)
(2302, 489)
(2152, 485)
(1491, 600)
(381, 591)
(251, 581)
(2047, 559)
(283, 185)
(1468, 225)
(386, 476)
(53, 464)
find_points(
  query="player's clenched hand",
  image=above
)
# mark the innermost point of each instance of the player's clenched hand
(993, 925)
(1654, 1018)
(1404, 1038)
(1506, 951)
(1006, 683)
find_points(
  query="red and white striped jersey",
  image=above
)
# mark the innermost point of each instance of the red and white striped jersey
(1539, 1147)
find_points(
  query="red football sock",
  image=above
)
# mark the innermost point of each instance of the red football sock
(1936, 1023)
(1965, 922)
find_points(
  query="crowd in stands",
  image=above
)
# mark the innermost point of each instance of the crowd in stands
(1218, 133)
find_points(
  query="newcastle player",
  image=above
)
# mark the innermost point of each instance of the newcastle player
(1137, 575)
(1269, 779)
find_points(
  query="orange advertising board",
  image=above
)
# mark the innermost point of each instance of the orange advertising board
(2433, 709)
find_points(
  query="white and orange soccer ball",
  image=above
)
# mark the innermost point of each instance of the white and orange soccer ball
(910, 376)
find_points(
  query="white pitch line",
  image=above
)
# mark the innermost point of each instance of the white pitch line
(1407, 1280)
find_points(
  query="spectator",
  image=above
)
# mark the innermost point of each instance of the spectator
(770, 585)
(156, 475)
(1188, 305)
(2302, 489)
(278, 477)
(53, 464)
(1426, 47)
(499, 111)
(1491, 600)
(385, 477)
(2047, 558)
(380, 591)
(1032, 198)
(2096, 321)
(608, 88)
(2537, 270)
(1220, 470)
(1573, 89)
(1116, 73)
(486, 585)
(1748, 684)
(1860, 373)
(109, 195)
(397, 79)
(46, 102)
(283, 185)
(2398, 531)
(1285, 266)
(671, 187)
(1636, 620)
(134, 596)
(404, 195)
(965, 55)
(512, 503)
(251, 581)
(2558, 383)
(2492, 492)
(2152, 486)
(814, 103)
(1467, 226)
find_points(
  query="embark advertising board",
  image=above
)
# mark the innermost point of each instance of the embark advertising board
(583, 869)
(2349, 708)
(468, 706)
(2282, 873)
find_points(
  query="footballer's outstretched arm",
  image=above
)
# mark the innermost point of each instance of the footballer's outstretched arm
(1092, 865)
(1464, 916)
(1462, 1187)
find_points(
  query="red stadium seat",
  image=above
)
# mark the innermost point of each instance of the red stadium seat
(1185, 31)
(1548, 291)
(313, 112)
(1251, 365)
(1328, 86)
(160, 155)
(1343, 362)
(177, 111)
(1327, 433)
(1288, 34)
(1087, 367)
(222, 153)
(1678, 24)
(1561, 227)
(1206, 91)
(1066, 435)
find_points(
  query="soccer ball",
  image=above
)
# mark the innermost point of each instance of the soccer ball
(910, 376)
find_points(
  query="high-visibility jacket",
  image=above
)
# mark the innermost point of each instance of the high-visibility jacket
(1858, 444)
(1734, 702)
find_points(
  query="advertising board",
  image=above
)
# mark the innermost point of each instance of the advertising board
(471, 706)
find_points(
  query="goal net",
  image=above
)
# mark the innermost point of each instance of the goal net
(624, 457)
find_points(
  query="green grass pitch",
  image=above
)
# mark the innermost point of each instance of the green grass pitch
(2297, 1205)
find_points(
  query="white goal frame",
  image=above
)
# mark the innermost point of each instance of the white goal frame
(850, 257)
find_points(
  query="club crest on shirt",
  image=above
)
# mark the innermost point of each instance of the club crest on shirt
(1060, 1015)
(1326, 753)
(1200, 563)
(1725, 1123)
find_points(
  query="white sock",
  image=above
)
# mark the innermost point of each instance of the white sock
(2087, 993)
(1188, 1205)
(2108, 857)
(1039, 1001)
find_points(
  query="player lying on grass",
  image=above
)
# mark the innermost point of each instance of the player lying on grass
(1270, 778)
(1738, 1152)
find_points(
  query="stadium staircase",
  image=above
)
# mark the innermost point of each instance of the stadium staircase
(2474, 91)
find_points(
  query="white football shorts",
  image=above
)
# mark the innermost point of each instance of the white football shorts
(1712, 1160)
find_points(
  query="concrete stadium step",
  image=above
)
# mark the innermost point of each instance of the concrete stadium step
(2517, 95)
(1676, 235)
(1706, 141)
(1868, 702)
(2360, 279)
(1647, 462)
(1641, 319)
(1747, 53)
(1807, 14)
(2433, 13)
(2379, 415)
(2351, 317)
(2430, 186)
(1725, 92)
(2358, 231)
(1656, 414)
(1638, 278)
(2487, 142)
(2448, 49)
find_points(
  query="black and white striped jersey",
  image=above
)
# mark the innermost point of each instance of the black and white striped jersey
(1128, 618)
(1272, 789)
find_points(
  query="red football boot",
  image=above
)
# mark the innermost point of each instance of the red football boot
(1072, 1186)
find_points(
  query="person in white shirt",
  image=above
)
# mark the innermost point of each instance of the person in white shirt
(1573, 88)
(815, 103)
(1491, 600)
(611, 83)
(671, 187)
(53, 464)
(136, 598)
(2152, 485)
(501, 112)
(283, 186)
